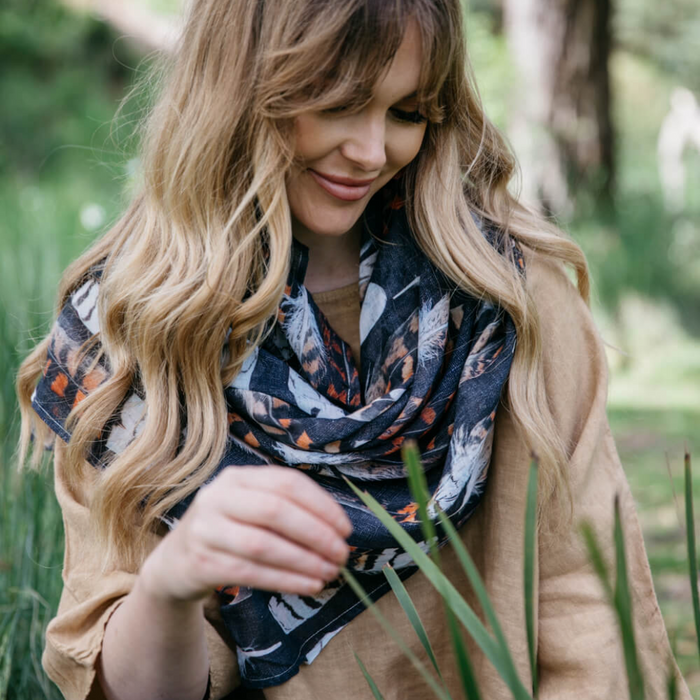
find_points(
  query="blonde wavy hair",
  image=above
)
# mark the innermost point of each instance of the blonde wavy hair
(204, 245)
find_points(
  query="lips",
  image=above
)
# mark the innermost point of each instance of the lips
(343, 188)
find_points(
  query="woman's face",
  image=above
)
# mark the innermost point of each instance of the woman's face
(346, 157)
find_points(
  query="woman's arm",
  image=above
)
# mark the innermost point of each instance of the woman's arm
(90, 599)
(154, 649)
(265, 527)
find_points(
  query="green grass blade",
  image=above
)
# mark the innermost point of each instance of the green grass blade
(418, 486)
(370, 681)
(500, 660)
(672, 684)
(597, 559)
(529, 570)
(671, 679)
(464, 665)
(410, 609)
(421, 494)
(619, 598)
(419, 490)
(434, 575)
(692, 552)
(5, 663)
(623, 604)
(482, 595)
(439, 691)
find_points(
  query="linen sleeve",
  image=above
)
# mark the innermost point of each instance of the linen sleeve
(74, 636)
(579, 643)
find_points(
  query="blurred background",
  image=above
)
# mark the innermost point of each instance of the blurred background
(600, 101)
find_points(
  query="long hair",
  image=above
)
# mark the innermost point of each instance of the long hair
(204, 246)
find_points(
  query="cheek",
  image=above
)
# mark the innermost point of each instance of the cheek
(405, 147)
(313, 137)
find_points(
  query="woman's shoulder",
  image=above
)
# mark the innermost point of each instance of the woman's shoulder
(563, 311)
(75, 364)
(547, 276)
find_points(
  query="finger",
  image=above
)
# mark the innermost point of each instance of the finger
(220, 569)
(292, 484)
(285, 518)
(265, 547)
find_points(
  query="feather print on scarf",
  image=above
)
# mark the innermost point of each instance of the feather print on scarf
(434, 364)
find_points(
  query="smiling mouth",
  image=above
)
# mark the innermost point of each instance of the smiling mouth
(348, 190)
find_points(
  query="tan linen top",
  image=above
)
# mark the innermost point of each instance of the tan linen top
(579, 652)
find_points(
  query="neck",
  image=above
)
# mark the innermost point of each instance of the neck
(334, 261)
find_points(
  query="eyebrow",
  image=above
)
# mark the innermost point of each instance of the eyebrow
(408, 97)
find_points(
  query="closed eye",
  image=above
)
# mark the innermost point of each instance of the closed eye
(412, 117)
(335, 110)
(402, 115)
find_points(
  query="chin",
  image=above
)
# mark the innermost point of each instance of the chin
(330, 220)
(329, 228)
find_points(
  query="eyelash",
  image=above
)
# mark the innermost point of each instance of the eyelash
(414, 117)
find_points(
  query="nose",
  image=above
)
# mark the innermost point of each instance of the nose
(365, 144)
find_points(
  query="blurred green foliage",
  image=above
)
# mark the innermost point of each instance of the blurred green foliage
(642, 247)
(52, 55)
(57, 157)
(667, 33)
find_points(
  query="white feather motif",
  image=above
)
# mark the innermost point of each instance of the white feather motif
(310, 400)
(470, 453)
(131, 422)
(432, 330)
(84, 301)
(316, 649)
(242, 379)
(290, 610)
(245, 654)
(301, 328)
(372, 308)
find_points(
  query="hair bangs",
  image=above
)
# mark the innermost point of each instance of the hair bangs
(441, 36)
(336, 53)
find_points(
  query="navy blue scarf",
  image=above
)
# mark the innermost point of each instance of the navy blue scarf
(434, 364)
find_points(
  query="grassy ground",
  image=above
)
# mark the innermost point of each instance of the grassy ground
(650, 443)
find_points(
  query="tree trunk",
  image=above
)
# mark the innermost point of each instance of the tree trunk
(561, 126)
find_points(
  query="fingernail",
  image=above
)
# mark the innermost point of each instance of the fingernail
(340, 550)
(330, 572)
(315, 586)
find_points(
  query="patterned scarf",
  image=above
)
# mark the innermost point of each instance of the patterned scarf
(434, 363)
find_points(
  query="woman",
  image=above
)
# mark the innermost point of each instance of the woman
(323, 261)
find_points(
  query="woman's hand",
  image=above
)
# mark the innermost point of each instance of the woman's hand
(266, 527)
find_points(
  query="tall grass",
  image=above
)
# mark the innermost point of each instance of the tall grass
(493, 644)
(692, 551)
(31, 528)
(30, 582)
(40, 233)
